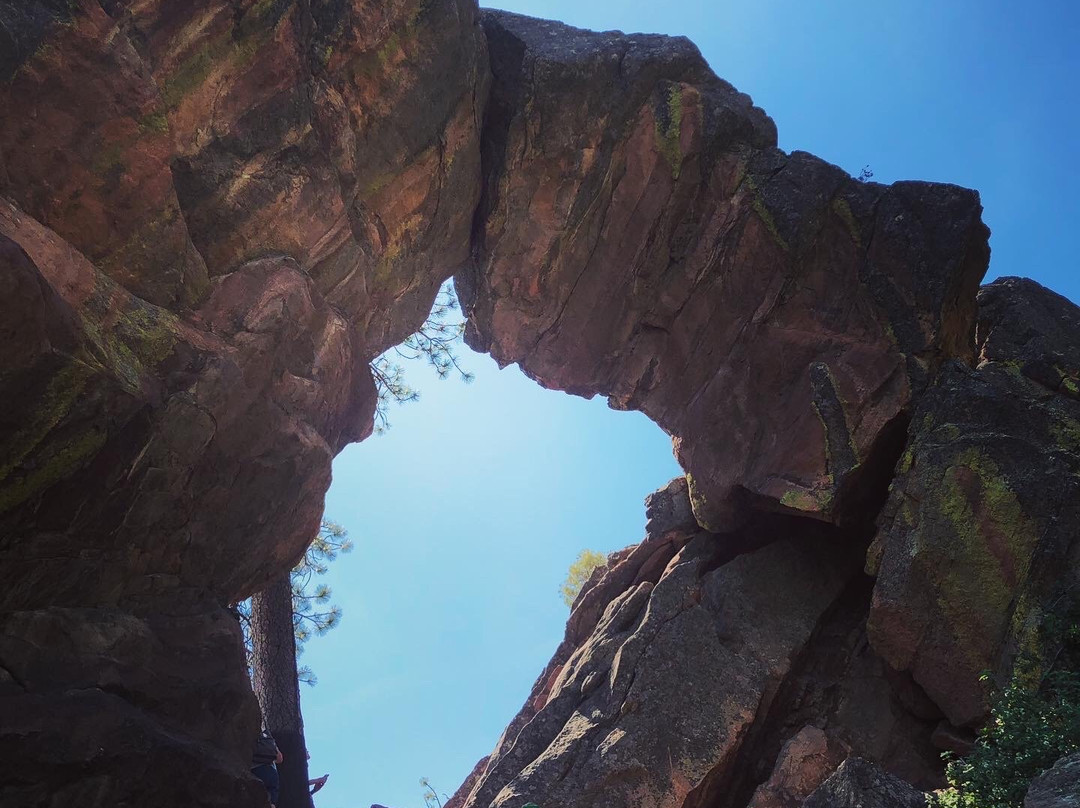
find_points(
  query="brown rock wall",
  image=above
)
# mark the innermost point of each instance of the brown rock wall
(642, 238)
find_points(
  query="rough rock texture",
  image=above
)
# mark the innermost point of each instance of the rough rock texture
(166, 141)
(804, 762)
(688, 666)
(641, 237)
(100, 707)
(980, 538)
(143, 450)
(860, 784)
(612, 710)
(214, 214)
(1057, 788)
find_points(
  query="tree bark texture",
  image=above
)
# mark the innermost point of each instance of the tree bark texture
(277, 688)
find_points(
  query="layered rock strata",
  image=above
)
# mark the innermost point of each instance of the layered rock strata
(641, 237)
(216, 213)
(213, 215)
(757, 703)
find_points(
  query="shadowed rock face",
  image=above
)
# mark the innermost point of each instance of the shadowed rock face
(214, 214)
(860, 784)
(1057, 788)
(980, 538)
(641, 237)
(142, 450)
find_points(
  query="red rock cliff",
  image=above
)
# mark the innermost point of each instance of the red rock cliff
(215, 214)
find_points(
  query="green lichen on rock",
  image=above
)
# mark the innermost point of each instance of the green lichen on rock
(758, 204)
(156, 122)
(236, 48)
(907, 461)
(841, 452)
(389, 49)
(108, 160)
(190, 74)
(698, 504)
(126, 336)
(61, 393)
(1066, 433)
(989, 556)
(53, 464)
(843, 210)
(669, 128)
(141, 337)
(807, 500)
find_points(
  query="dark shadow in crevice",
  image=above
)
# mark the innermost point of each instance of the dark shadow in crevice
(839, 685)
(864, 492)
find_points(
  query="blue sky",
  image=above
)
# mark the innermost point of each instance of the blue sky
(468, 512)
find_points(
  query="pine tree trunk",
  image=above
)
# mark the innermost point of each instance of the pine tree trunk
(277, 688)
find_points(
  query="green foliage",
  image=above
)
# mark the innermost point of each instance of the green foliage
(311, 614)
(578, 574)
(434, 343)
(668, 129)
(1034, 722)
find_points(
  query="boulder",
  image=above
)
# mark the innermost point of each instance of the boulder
(860, 784)
(1057, 788)
(980, 538)
(653, 706)
(805, 761)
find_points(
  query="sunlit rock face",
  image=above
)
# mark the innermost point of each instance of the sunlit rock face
(705, 669)
(642, 237)
(709, 670)
(214, 214)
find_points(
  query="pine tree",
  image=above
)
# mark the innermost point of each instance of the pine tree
(311, 615)
(434, 343)
(277, 687)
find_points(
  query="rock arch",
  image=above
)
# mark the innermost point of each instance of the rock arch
(216, 213)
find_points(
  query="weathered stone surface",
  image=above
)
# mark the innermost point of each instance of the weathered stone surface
(859, 783)
(164, 140)
(215, 213)
(1057, 788)
(661, 695)
(804, 762)
(145, 454)
(642, 238)
(88, 152)
(101, 707)
(981, 533)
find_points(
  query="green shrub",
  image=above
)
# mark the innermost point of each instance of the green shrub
(1034, 722)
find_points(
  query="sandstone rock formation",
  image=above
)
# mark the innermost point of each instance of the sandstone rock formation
(860, 784)
(711, 652)
(213, 216)
(642, 237)
(959, 591)
(980, 538)
(1057, 788)
(211, 222)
